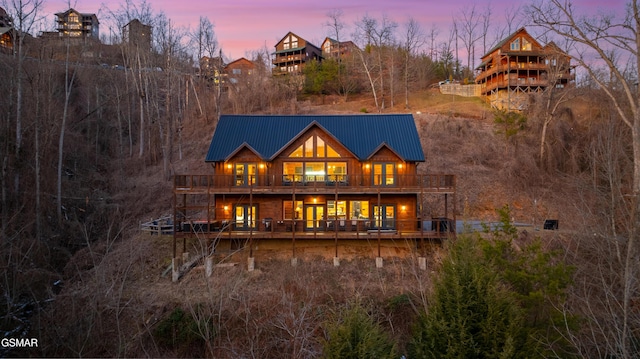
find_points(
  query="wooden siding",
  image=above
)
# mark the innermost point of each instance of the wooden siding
(521, 70)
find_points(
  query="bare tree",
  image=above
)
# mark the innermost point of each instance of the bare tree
(335, 25)
(555, 95)
(433, 36)
(375, 37)
(413, 40)
(69, 79)
(467, 27)
(610, 41)
(25, 14)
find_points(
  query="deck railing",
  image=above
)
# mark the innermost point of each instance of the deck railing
(284, 183)
(268, 227)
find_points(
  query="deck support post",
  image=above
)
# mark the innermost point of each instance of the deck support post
(336, 261)
(251, 264)
(294, 262)
(379, 262)
(185, 257)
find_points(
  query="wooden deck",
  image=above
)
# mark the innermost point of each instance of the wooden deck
(352, 229)
(367, 235)
(353, 184)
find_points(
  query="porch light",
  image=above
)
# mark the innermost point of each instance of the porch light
(404, 208)
(226, 208)
(261, 165)
(229, 166)
(367, 166)
(315, 200)
(400, 165)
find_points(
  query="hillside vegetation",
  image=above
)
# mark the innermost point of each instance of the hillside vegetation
(84, 280)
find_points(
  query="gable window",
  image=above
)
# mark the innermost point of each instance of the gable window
(384, 174)
(526, 45)
(315, 168)
(327, 47)
(314, 146)
(515, 44)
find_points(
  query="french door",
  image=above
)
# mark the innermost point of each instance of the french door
(384, 174)
(384, 216)
(245, 217)
(314, 217)
(245, 174)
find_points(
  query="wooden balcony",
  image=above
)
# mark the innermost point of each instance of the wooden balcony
(299, 184)
(321, 229)
(535, 67)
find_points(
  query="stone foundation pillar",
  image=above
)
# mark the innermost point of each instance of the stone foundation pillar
(378, 262)
(208, 266)
(175, 269)
(251, 264)
(422, 263)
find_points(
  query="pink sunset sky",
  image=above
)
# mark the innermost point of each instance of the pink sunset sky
(243, 26)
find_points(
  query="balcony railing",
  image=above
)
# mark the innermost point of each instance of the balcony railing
(301, 183)
(323, 228)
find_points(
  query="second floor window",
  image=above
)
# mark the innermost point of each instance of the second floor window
(315, 172)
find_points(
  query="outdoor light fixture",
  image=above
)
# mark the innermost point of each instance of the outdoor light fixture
(229, 166)
(400, 165)
(366, 166)
(226, 208)
(404, 208)
(261, 165)
(315, 200)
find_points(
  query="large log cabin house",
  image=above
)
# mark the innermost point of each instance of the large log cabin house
(518, 66)
(321, 177)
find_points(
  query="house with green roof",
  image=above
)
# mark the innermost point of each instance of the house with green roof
(314, 177)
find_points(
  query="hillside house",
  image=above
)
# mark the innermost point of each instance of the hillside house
(314, 177)
(7, 32)
(74, 24)
(211, 68)
(137, 35)
(518, 66)
(333, 49)
(239, 70)
(292, 53)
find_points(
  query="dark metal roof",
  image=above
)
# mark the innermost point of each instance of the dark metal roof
(268, 135)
